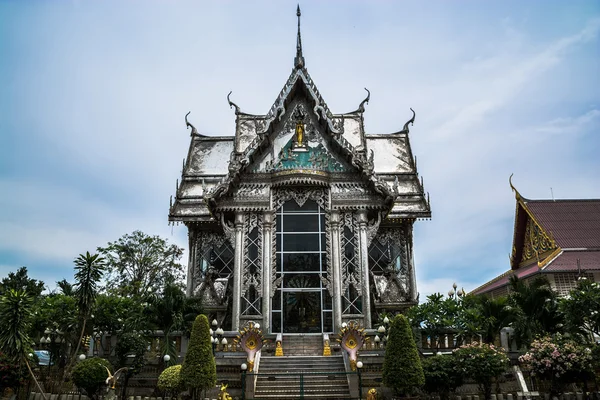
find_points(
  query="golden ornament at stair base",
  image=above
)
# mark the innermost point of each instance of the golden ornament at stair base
(278, 350)
(372, 394)
(326, 349)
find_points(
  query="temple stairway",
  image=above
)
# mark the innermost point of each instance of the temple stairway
(279, 377)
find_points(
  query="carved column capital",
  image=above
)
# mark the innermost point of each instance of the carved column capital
(334, 219)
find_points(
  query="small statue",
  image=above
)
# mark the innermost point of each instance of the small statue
(111, 381)
(223, 395)
(372, 394)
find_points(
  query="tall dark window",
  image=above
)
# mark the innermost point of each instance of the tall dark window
(301, 304)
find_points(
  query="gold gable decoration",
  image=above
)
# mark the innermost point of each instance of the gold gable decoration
(536, 242)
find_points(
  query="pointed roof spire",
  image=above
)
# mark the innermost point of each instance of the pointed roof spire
(299, 59)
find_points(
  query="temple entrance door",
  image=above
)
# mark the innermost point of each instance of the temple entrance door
(302, 311)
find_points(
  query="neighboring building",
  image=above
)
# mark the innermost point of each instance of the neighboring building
(559, 239)
(301, 220)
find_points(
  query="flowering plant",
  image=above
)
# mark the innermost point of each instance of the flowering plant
(481, 362)
(558, 360)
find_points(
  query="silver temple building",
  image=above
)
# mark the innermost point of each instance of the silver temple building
(300, 220)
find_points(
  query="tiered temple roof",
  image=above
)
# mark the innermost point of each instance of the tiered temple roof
(552, 236)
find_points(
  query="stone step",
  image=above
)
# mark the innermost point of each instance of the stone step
(319, 377)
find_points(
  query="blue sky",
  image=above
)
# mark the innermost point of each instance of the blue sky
(93, 97)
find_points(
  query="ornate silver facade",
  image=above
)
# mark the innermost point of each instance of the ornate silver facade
(301, 220)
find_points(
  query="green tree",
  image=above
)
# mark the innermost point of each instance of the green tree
(495, 315)
(90, 375)
(130, 350)
(402, 370)
(481, 362)
(441, 375)
(171, 310)
(88, 271)
(65, 287)
(199, 371)
(20, 281)
(15, 319)
(140, 265)
(534, 309)
(581, 310)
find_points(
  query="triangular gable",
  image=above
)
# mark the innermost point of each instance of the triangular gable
(328, 126)
(531, 242)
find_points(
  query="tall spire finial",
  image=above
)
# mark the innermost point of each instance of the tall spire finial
(299, 60)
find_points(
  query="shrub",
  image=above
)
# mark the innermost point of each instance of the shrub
(559, 361)
(12, 376)
(90, 375)
(481, 362)
(402, 370)
(441, 375)
(169, 380)
(199, 371)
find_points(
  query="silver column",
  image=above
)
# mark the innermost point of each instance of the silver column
(334, 231)
(268, 225)
(364, 262)
(238, 264)
(192, 263)
(408, 231)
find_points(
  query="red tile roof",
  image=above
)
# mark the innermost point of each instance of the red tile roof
(567, 261)
(573, 223)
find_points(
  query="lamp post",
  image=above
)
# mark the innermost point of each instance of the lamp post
(216, 332)
(359, 366)
(454, 294)
(244, 368)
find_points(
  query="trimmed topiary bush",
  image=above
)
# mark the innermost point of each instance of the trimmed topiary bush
(90, 375)
(402, 370)
(199, 371)
(170, 382)
(441, 375)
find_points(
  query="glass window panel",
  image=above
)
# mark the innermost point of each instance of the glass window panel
(322, 222)
(299, 242)
(308, 206)
(302, 261)
(327, 304)
(276, 322)
(276, 301)
(327, 321)
(300, 281)
(301, 223)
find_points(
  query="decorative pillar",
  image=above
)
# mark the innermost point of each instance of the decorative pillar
(238, 265)
(364, 263)
(192, 263)
(334, 231)
(268, 225)
(408, 232)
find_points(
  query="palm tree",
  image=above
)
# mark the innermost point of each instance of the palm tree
(15, 318)
(534, 308)
(89, 269)
(495, 314)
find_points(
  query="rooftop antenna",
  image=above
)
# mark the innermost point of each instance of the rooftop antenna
(552, 194)
(299, 60)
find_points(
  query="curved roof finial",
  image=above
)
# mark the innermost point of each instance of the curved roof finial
(410, 121)
(361, 107)
(514, 189)
(232, 104)
(189, 125)
(299, 59)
